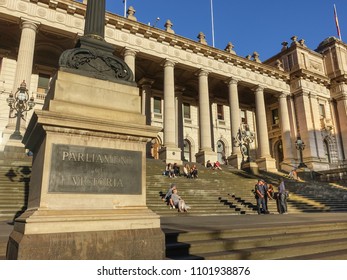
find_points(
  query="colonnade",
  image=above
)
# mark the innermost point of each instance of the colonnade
(172, 142)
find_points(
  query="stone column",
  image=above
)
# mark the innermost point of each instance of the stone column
(169, 105)
(235, 158)
(308, 120)
(265, 162)
(129, 59)
(25, 54)
(341, 106)
(170, 152)
(316, 122)
(146, 93)
(180, 119)
(205, 149)
(23, 68)
(286, 134)
(95, 19)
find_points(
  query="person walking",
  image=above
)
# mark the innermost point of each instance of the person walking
(260, 191)
(282, 198)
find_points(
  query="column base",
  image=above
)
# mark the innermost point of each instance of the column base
(171, 155)
(288, 165)
(235, 161)
(267, 164)
(203, 156)
(251, 167)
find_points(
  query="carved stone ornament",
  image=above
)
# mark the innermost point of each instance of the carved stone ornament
(93, 56)
(95, 63)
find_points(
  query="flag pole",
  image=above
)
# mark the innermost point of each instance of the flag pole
(125, 7)
(337, 23)
(212, 23)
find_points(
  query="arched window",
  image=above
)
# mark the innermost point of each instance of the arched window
(327, 150)
(278, 153)
(155, 147)
(220, 151)
(187, 150)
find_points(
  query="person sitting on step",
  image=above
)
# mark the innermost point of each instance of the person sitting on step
(209, 165)
(168, 194)
(186, 171)
(177, 202)
(194, 172)
(176, 169)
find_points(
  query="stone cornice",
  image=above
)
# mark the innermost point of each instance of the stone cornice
(310, 76)
(71, 7)
(161, 36)
(342, 79)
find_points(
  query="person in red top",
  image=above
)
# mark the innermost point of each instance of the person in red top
(217, 165)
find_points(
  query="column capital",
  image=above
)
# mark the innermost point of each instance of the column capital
(283, 95)
(168, 63)
(146, 82)
(202, 72)
(29, 23)
(258, 88)
(232, 81)
(129, 51)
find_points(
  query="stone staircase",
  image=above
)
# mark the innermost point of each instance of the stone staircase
(14, 186)
(308, 240)
(218, 194)
(229, 192)
(214, 192)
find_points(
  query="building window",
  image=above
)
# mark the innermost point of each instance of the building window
(157, 105)
(186, 110)
(220, 112)
(243, 116)
(290, 61)
(186, 150)
(43, 83)
(275, 117)
(321, 111)
(220, 152)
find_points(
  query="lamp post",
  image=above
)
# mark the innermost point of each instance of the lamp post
(300, 146)
(20, 102)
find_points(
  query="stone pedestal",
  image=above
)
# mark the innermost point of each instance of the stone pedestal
(87, 197)
(171, 155)
(250, 167)
(203, 156)
(235, 161)
(267, 164)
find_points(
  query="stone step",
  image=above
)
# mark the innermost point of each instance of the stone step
(277, 252)
(242, 243)
(332, 255)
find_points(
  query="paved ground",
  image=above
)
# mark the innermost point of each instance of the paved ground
(194, 223)
(207, 223)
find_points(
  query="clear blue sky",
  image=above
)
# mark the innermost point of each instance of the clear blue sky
(257, 25)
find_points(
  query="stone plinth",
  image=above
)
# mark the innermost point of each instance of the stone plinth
(267, 164)
(250, 167)
(87, 197)
(235, 161)
(203, 156)
(170, 155)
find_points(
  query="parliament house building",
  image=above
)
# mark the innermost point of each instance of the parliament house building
(208, 103)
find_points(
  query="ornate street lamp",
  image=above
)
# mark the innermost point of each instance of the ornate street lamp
(20, 103)
(300, 146)
(243, 140)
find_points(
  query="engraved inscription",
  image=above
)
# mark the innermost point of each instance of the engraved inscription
(77, 169)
